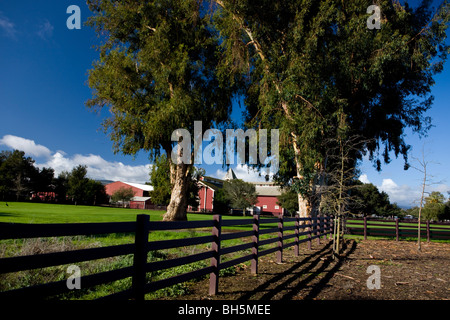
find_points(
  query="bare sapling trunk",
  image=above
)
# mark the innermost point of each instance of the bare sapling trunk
(426, 182)
(419, 247)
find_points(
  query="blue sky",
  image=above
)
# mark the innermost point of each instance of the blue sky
(43, 90)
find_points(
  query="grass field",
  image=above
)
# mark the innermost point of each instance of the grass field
(27, 212)
(41, 213)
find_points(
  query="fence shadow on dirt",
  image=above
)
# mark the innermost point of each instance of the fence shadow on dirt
(301, 275)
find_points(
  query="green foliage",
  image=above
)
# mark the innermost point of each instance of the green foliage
(433, 211)
(77, 183)
(122, 195)
(368, 200)
(434, 208)
(156, 71)
(435, 197)
(160, 180)
(314, 70)
(289, 201)
(240, 194)
(79, 188)
(221, 204)
(95, 193)
(19, 176)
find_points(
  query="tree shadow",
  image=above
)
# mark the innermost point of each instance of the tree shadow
(318, 287)
(288, 284)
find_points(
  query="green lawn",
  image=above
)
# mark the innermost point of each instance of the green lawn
(26, 212)
(38, 213)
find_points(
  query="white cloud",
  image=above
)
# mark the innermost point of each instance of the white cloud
(403, 195)
(97, 167)
(442, 188)
(45, 31)
(243, 172)
(364, 179)
(26, 145)
(8, 28)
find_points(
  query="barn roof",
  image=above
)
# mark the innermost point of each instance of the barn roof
(144, 187)
(140, 199)
(268, 190)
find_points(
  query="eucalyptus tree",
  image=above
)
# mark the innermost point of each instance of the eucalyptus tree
(156, 74)
(316, 71)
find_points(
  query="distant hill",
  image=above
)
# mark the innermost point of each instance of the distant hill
(105, 182)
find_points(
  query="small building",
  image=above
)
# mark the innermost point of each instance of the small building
(208, 186)
(140, 190)
(45, 196)
(140, 203)
(267, 192)
(141, 199)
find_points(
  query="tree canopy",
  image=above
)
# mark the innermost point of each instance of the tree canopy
(157, 73)
(20, 179)
(314, 69)
(123, 195)
(240, 194)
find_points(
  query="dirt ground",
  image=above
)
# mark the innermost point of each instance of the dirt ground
(405, 274)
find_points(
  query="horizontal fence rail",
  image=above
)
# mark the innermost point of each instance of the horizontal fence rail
(311, 228)
(396, 229)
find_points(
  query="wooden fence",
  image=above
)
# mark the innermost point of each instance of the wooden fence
(394, 228)
(311, 228)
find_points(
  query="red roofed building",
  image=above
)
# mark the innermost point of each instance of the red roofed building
(141, 199)
(140, 190)
(267, 192)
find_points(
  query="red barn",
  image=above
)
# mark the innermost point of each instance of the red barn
(140, 190)
(267, 192)
(208, 186)
(140, 203)
(141, 199)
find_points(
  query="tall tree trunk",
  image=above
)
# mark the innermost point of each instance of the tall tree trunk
(303, 206)
(176, 211)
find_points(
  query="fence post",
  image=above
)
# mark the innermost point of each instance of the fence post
(255, 239)
(365, 228)
(140, 256)
(330, 227)
(215, 260)
(318, 229)
(309, 232)
(297, 237)
(280, 239)
(428, 231)
(396, 230)
(325, 228)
